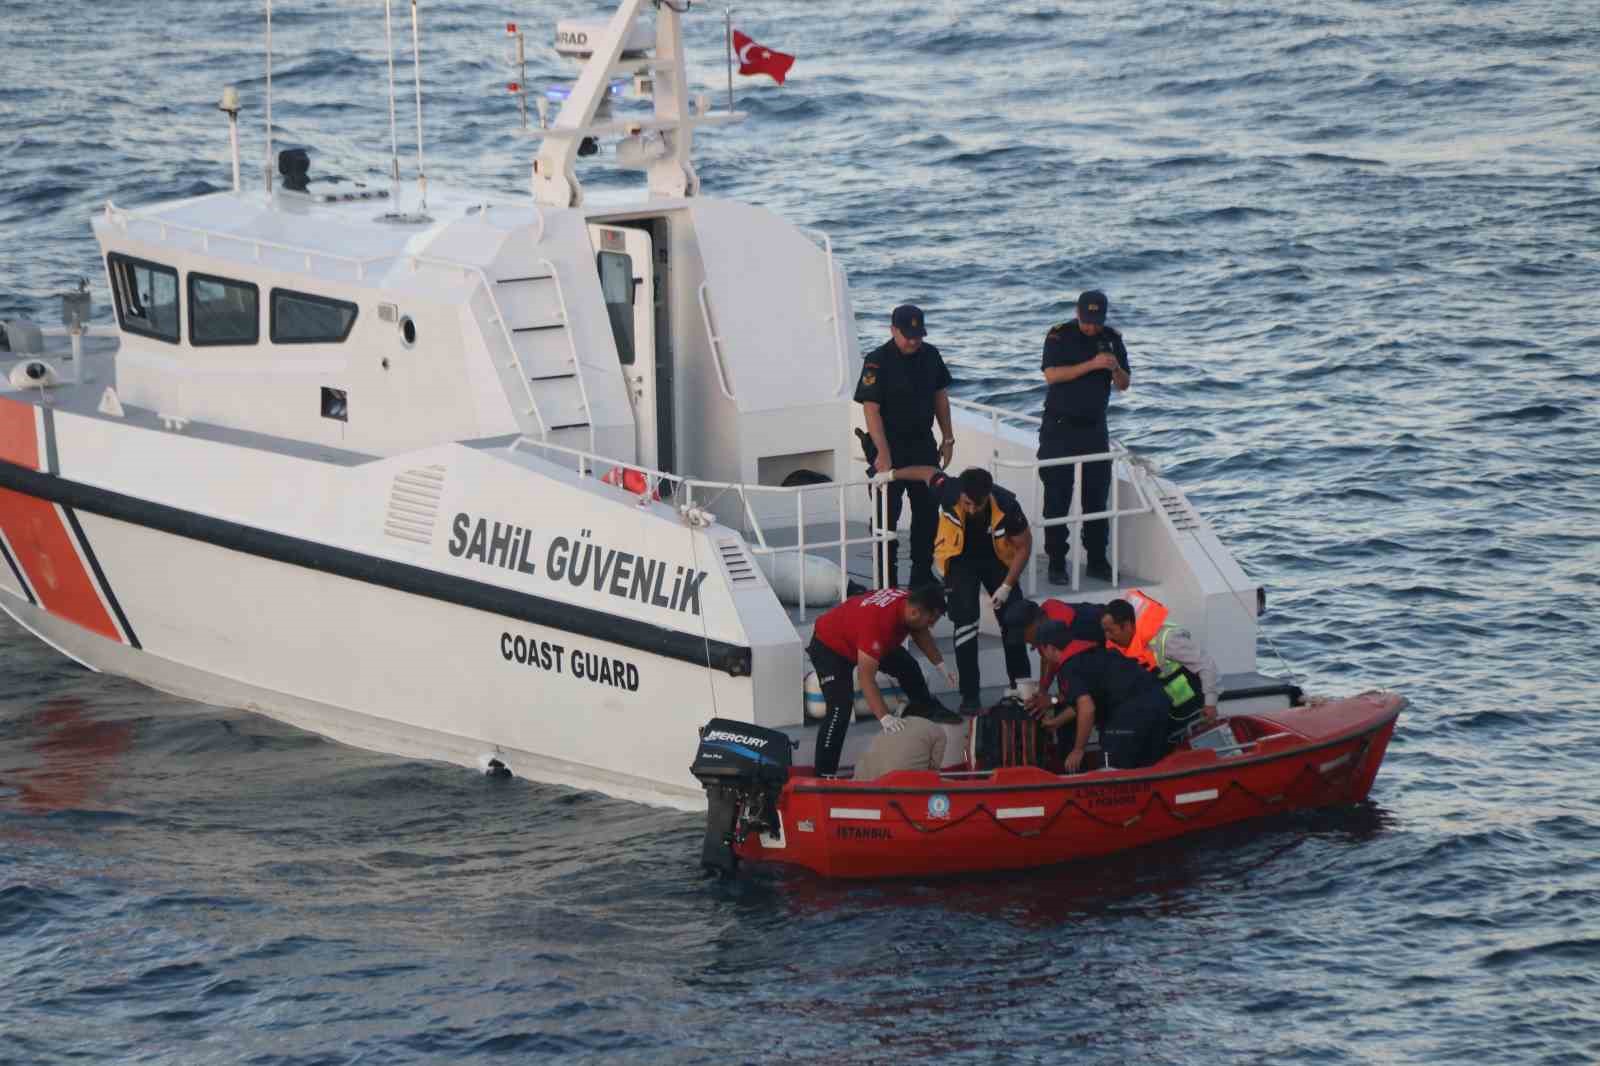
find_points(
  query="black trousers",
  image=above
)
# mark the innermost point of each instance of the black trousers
(913, 451)
(1135, 733)
(1060, 436)
(964, 576)
(837, 677)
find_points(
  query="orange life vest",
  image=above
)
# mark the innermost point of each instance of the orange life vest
(1148, 616)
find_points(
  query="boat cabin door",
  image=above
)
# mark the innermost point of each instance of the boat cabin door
(627, 281)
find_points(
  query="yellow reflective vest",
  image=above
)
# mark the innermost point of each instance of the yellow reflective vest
(952, 535)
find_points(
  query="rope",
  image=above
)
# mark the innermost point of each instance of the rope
(1266, 803)
(705, 632)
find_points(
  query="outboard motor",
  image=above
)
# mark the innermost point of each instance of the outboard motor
(743, 768)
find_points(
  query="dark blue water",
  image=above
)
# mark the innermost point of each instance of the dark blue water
(1354, 249)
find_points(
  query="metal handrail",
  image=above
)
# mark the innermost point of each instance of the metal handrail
(997, 414)
(833, 306)
(121, 216)
(1114, 513)
(586, 462)
(572, 346)
(716, 342)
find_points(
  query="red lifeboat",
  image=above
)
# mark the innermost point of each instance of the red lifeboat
(921, 823)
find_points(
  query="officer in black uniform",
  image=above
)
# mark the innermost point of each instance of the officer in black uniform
(1105, 688)
(903, 388)
(1083, 359)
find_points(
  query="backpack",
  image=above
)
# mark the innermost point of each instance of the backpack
(1007, 735)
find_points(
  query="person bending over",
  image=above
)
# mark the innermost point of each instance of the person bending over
(858, 638)
(1021, 620)
(1103, 687)
(983, 541)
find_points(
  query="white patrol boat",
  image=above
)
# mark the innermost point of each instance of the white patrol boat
(532, 484)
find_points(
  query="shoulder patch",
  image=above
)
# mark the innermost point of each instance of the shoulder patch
(869, 375)
(1057, 328)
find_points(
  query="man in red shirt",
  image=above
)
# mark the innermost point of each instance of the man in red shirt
(861, 636)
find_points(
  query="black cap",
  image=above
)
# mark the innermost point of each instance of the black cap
(1056, 634)
(1092, 307)
(907, 318)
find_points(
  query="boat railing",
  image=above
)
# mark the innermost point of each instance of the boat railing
(998, 416)
(359, 265)
(1128, 467)
(692, 495)
(1074, 519)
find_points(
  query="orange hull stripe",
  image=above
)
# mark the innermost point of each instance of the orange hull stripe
(19, 442)
(45, 551)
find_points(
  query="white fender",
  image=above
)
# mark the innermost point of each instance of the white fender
(784, 574)
(817, 707)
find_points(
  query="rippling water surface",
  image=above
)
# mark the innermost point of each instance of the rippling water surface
(1354, 249)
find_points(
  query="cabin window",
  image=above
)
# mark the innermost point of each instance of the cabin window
(146, 296)
(300, 318)
(616, 285)
(222, 311)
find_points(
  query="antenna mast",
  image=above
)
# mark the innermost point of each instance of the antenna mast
(271, 190)
(416, 56)
(394, 136)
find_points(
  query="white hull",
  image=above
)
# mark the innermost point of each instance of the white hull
(413, 646)
(336, 723)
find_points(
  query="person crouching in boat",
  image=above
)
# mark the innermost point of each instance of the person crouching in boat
(1138, 626)
(861, 636)
(1105, 687)
(1020, 625)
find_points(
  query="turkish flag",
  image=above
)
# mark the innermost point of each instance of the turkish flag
(756, 59)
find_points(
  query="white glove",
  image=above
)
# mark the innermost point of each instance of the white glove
(950, 675)
(882, 477)
(891, 724)
(1001, 595)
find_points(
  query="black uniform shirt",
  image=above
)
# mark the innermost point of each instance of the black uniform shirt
(978, 541)
(903, 387)
(1112, 679)
(1087, 396)
(1085, 624)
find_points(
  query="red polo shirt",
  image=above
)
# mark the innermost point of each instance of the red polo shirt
(873, 623)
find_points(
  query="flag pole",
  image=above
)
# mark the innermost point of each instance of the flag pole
(728, 37)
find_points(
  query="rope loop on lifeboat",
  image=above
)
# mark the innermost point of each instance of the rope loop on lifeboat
(1265, 802)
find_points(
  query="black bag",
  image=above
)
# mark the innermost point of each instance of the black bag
(1007, 735)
